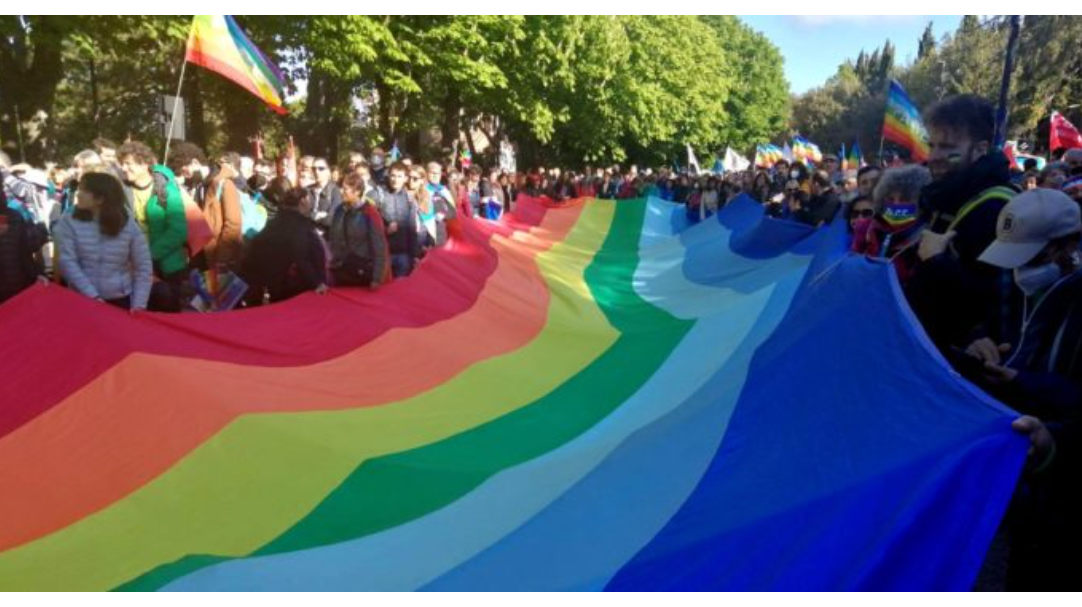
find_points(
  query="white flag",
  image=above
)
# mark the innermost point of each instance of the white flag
(734, 161)
(787, 152)
(693, 163)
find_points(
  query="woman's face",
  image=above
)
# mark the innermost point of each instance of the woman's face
(87, 201)
(862, 209)
(417, 180)
(350, 196)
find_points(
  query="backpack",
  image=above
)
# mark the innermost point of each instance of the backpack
(253, 216)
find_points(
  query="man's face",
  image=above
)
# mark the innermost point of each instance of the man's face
(397, 180)
(830, 165)
(108, 155)
(323, 172)
(135, 171)
(866, 182)
(951, 151)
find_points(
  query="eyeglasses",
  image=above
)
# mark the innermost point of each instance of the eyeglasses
(416, 178)
(862, 214)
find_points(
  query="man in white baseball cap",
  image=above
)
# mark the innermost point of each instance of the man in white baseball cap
(1038, 236)
(1028, 224)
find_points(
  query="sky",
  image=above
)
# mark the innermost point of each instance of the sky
(814, 45)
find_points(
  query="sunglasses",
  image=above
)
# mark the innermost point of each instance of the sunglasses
(321, 169)
(862, 214)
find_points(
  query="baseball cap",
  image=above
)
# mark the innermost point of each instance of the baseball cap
(1028, 223)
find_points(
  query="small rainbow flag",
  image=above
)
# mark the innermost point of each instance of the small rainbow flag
(217, 43)
(902, 124)
(855, 160)
(767, 155)
(805, 151)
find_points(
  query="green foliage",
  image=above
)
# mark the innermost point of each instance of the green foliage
(1047, 77)
(566, 88)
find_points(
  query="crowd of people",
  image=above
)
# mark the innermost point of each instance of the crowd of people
(987, 255)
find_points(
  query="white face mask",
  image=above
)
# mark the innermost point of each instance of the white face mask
(1032, 279)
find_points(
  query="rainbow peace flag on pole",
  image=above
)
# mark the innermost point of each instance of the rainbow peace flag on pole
(854, 160)
(767, 155)
(902, 124)
(217, 43)
(805, 151)
(609, 399)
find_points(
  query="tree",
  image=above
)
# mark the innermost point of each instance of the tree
(926, 44)
(30, 71)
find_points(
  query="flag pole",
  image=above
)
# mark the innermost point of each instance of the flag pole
(176, 100)
(1005, 86)
(176, 106)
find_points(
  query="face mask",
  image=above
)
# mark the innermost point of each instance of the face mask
(900, 214)
(1033, 279)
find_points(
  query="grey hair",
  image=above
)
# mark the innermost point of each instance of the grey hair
(906, 180)
(87, 158)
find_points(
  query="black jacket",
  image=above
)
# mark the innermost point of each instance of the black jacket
(19, 240)
(286, 258)
(820, 209)
(1048, 356)
(957, 298)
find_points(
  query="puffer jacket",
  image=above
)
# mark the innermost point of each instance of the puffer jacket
(109, 267)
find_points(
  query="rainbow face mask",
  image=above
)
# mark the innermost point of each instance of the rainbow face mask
(900, 215)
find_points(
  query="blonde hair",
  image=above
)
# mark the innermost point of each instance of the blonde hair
(424, 198)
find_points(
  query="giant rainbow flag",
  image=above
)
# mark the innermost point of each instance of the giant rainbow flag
(592, 396)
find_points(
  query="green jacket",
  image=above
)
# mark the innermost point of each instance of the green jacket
(167, 226)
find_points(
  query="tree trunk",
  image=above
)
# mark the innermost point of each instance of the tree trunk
(452, 107)
(30, 70)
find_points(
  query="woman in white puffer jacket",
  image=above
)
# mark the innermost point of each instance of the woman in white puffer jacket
(103, 253)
